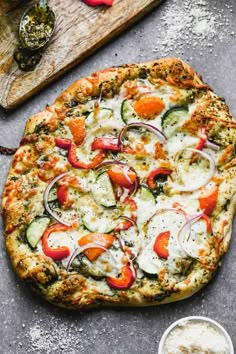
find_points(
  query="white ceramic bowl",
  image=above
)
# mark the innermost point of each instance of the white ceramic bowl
(195, 318)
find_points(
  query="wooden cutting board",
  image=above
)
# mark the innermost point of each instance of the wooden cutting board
(80, 30)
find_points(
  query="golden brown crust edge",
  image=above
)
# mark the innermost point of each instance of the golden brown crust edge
(40, 271)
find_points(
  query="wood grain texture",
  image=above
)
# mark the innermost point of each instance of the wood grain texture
(80, 30)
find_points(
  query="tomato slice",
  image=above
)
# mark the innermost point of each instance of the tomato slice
(77, 128)
(93, 253)
(161, 244)
(149, 106)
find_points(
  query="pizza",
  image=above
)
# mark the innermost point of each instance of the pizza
(122, 191)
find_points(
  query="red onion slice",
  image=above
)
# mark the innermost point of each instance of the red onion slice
(107, 125)
(184, 188)
(125, 171)
(181, 236)
(88, 246)
(212, 146)
(119, 192)
(45, 199)
(115, 157)
(125, 168)
(120, 96)
(166, 210)
(128, 219)
(128, 257)
(131, 264)
(109, 163)
(98, 101)
(119, 163)
(135, 188)
(147, 126)
(195, 218)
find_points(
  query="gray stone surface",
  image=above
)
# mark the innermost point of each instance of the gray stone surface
(203, 33)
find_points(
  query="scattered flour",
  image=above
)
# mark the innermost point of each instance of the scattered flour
(195, 24)
(61, 338)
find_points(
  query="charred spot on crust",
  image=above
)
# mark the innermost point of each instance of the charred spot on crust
(143, 73)
(160, 297)
(73, 103)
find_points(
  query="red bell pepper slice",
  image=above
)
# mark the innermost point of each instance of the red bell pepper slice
(63, 143)
(77, 129)
(72, 157)
(55, 253)
(125, 225)
(49, 170)
(105, 144)
(208, 222)
(93, 253)
(118, 177)
(160, 246)
(154, 173)
(62, 195)
(94, 3)
(202, 140)
(208, 199)
(124, 282)
(63, 190)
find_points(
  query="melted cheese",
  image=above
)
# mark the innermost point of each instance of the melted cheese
(149, 261)
(145, 209)
(140, 238)
(178, 142)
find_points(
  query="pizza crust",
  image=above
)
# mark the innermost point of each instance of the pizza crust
(73, 290)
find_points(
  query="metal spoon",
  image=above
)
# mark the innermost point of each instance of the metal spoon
(36, 26)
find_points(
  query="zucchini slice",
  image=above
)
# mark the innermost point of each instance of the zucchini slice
(97, 223)
(103, 114)
(102, 191)
(173, 119)
(149, 262)
(128, 114)
(36, 229)
(146, 195)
